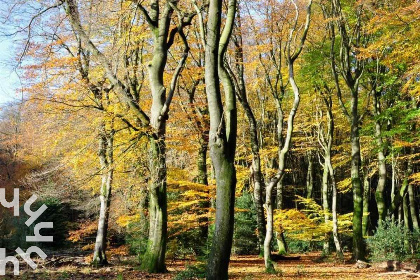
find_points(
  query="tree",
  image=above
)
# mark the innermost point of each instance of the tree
(158, 20)
(351, 69)
(222, 136)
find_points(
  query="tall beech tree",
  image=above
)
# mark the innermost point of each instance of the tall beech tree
(291, 53)
(350, 68)
(241, 92)
(222, 136)
(158, 18)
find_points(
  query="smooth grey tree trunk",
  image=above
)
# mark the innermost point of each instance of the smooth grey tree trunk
(366, 198)
(290, 58)
(380, 189)
(325, 206)
(222, 135)
(158, 19)
(105, 154)
(310, 176)
(256, 174)
(413, 211)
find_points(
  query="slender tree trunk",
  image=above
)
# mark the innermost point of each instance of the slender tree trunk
(203, 179)
(281, 240)
(309, 176)
(290, 58)
(414, 216)
(256, 174)
(222, 136)
(325, 205)
(380, 189)
(406, 212)
(358, 241)
(366, 197)
(337, 243)
(327, 145)
(106, 162)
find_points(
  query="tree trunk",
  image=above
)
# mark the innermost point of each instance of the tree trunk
(337, 243)
(222, 136)
(154, 258)
(358, 242)
(309, 176)
(414, 217)
(256, 174)
(281, 241)
(106, 162)
(325, 205)
(366, 197)
(290, 58)
(203, 179)
(380, 189)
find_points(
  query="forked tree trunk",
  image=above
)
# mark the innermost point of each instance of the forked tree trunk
(327, 146)
(222, 136)
(337, 243)
(159, 20)
(290, 58)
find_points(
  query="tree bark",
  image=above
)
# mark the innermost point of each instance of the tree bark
(222, 136)
(380, 189)
(413, 212)
(105, 154)
(290, 58)
(325, 205)
(256, 174)
(358, 242)
(309, 176)
(366, 197)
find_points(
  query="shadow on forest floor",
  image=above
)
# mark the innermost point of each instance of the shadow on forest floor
(303, 266)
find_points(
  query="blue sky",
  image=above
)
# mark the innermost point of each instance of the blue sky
(9, 81)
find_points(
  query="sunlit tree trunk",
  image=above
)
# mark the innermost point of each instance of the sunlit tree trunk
(413, 211)
(366, 197)
(309, 176)
(351, 70)
(222, 136)
(106, 159)
(256, 174)
(380, 189)
(290, 58)
(325, 205)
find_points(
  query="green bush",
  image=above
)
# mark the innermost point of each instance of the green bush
(197, 271)
(136, 237)
(392, 241)
(58, 213)
(245, 240)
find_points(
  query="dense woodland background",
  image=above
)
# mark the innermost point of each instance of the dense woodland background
(184, 128)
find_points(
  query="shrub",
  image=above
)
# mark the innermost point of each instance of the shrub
(197, 271)
(392, 241)
(245, 240)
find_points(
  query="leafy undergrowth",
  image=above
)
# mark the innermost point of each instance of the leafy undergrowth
(308, 266)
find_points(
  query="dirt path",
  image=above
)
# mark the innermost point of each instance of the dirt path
(241, 267)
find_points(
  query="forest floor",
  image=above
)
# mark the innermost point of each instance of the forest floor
(298, 266)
